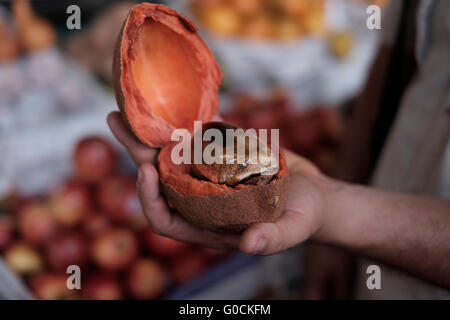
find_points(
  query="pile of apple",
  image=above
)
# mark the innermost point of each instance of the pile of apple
(94, 220)
(316, 133)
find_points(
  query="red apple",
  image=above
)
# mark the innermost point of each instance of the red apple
(36, 223)
(96, 223)
(67, 249)
(188, 266)
(146, 279)
(23, 259)
(115, 249)
(102, 286)
(163, 246)
(117, 196)
(94, 159)
(70, 203)
(52, 286)
(6, 232)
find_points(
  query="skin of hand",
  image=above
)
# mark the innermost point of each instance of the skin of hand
(302, 218)
(409, 232)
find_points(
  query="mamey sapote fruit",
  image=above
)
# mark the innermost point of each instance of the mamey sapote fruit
(167, 78)
(217, 206)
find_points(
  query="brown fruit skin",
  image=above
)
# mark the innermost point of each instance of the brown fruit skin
(232, 212)
(220, 208)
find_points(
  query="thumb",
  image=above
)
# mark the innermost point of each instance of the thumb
(269, 238)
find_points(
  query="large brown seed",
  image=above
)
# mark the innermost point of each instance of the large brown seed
(255, 165)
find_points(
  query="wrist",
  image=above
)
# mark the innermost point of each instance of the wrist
(333, 215)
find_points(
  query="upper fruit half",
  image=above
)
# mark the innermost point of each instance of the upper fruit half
(165, 75)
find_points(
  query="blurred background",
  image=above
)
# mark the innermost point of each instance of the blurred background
(67, 189)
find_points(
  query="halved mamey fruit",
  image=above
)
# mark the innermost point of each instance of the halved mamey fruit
(218, 207)
(166, 78)
(165, 75)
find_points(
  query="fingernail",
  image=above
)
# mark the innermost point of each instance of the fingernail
(260, 246)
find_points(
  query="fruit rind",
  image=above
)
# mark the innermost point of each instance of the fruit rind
(232, 212)
(156, 131)
(220, 208)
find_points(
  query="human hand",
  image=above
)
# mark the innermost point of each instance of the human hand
(302, 218)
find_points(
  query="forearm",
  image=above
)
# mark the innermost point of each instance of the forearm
(409, 232)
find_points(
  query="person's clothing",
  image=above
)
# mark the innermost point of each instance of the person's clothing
(416, 157)
(377, 106)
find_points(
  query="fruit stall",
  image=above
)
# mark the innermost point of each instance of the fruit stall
(68, 192)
